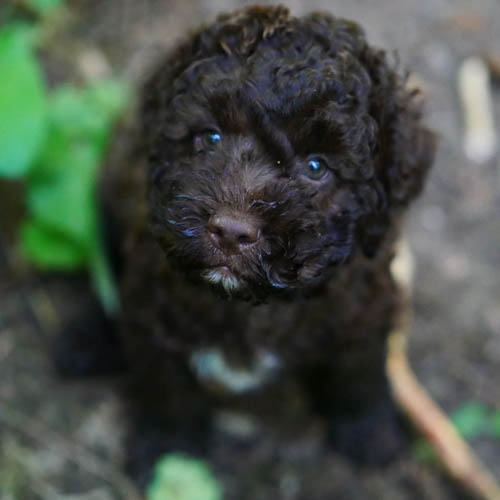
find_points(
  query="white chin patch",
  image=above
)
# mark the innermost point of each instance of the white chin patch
(223, 278)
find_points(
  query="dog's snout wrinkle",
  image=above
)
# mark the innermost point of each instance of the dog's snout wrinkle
(233, 233)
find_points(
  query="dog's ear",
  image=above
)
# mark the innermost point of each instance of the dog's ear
(405, 147)
(407, 153)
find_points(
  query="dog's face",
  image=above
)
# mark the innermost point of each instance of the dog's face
(268, 170)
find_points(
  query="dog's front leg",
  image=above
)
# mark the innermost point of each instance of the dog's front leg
(168, 409)
(353, 393)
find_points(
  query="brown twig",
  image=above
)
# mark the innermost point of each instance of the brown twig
(455, 454)
(480, 139)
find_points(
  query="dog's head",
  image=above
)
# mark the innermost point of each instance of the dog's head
(279, 148)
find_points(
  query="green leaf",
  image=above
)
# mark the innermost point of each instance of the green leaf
(495, 423)
(44, 7)
(62, 183)
(103, 280)
(49, 249)
(109, 96)
(72, 115)
(177, 477)
(62, 196)
(61, 191)
(22, 102)
(471, 419)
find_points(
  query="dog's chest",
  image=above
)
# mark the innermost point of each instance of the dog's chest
(235, 347)
(242, 352)
(258, 344)
(216, 371)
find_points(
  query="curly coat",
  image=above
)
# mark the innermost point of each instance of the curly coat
(304, 141)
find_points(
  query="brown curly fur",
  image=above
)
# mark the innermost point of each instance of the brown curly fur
(315, 290)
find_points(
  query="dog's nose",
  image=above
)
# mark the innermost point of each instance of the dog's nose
(232, 233)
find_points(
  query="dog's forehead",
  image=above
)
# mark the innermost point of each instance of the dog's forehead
(278, 78)
(293, 103)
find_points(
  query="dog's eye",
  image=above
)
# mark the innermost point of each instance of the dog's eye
(206, 141)
(316, 169)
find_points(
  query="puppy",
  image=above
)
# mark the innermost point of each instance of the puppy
(257, 235)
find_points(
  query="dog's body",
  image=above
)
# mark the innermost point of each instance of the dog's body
(282, 154)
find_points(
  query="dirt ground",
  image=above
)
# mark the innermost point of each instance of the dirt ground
(62, 439)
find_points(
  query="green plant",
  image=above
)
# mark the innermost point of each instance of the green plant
(43, 7)
(55, 142)
(495, 424)
(23, 105)
(472, 420)
(177, 477)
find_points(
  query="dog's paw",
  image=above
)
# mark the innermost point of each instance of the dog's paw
(373, 438)
(147, 446)
(87, 348)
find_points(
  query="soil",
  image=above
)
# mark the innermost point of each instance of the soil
(63, 439)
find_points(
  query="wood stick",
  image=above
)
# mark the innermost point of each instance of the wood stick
(480, 140)
(455, 454)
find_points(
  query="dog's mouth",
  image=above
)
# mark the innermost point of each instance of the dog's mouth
(255, 278)
(229, 281)
(223, 277)
(256, 274)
